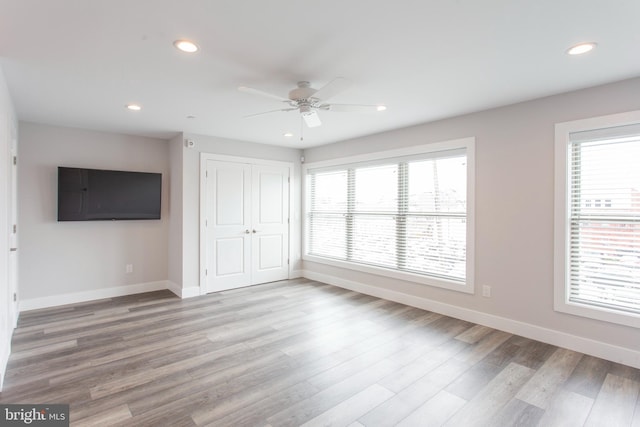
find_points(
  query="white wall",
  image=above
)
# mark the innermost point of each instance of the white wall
(72, 261)
(8, 128)
(514, 219)
(191, 196)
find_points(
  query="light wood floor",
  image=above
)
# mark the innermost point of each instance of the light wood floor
(302, 353)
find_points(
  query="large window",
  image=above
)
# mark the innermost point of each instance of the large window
(598, 218)
(405, 216)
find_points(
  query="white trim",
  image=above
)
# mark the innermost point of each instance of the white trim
(394, 274)
(190, 292)
(4, 360)
(76, 297)
(248, 160)
(175, 288)
(599, 349)
(561, 218)
(398, 152)
(296, 274)
(467, 144)
(204, 157)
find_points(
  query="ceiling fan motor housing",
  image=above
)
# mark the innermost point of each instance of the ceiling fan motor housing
(303, 91)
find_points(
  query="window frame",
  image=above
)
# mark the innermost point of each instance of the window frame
(562, 215)
(466, 144)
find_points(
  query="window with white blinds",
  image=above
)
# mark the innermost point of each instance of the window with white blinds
(404, 214)
(602, 224)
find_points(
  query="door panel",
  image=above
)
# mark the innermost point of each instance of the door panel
(230, 257)
(228, 242)
(270, 251)
(230, 193)
(270, 193)
(270, 220)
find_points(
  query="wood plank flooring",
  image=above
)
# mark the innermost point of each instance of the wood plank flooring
(302, 353)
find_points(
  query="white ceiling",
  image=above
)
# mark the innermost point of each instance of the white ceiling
(78, 62)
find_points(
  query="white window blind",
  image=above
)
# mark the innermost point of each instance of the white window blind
(405, 214)
(603, 248)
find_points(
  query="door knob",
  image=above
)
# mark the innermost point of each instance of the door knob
(254, 231)
(246, 231)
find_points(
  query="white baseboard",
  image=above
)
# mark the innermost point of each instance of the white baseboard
(599, 349)
(296, 274)
(76, 297)
(4, 359)
(190, 292)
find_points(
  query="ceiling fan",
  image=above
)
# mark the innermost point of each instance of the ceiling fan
(309, 101)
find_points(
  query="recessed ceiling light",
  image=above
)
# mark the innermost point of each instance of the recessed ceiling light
(381, 107)
(134, 107)
(186, 46)
(287, 134)
(581, 48)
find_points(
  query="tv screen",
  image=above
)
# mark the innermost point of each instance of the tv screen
(95, 194)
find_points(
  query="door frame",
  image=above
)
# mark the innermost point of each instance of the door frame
(12, 266)
(204, 158)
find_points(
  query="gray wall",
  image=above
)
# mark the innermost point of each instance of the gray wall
(514, 207)
(60, 258)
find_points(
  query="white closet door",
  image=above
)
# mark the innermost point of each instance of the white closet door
(270, 223)
(228, 230)
(247, 224)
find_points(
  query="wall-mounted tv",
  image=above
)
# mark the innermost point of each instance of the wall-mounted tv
(96, 194)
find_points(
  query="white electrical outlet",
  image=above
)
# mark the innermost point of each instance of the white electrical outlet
(129, 268)
(486, 291)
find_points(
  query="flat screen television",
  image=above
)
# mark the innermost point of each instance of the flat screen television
(96, 194)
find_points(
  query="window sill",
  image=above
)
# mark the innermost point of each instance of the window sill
(465, 287)
(597, 313)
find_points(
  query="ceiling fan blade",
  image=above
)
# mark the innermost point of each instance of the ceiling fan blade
(311, 118)
(261, 93)
(332, 88)
(269, 112)
(353, 108)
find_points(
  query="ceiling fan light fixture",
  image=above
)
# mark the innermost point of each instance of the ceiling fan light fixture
(311, 118)
(581, 48)
(133, 107)
(186, 46)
